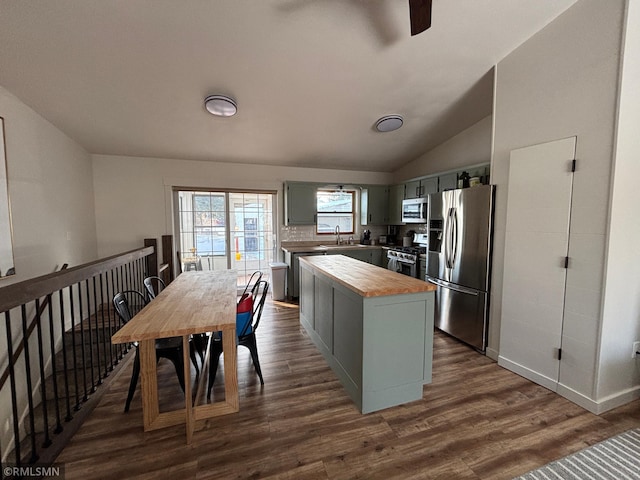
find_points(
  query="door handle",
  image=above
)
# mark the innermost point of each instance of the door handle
(449, 239)
(454, 238)
(455, 288)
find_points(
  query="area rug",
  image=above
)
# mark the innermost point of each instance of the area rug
(617, 458)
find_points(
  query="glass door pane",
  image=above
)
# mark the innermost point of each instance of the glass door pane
(221, 230)
(252, 239)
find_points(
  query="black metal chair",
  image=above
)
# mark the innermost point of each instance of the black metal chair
(246, 336)
(252, 285)
(127, 304)
(154, 286)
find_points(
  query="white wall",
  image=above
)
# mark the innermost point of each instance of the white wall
(470, 147)
(51, 190)
(563, 82)
(6, 246)
(621, 303)
(133, 195)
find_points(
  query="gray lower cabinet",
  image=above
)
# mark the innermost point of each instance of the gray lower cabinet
(376, 257)
(369, 255)
(323, 312)
(293, 278)
(362, 254)
(381, 348)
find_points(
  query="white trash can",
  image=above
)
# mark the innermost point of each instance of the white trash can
(278, 279)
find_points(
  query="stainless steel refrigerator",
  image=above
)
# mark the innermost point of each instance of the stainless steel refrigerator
(459, 261)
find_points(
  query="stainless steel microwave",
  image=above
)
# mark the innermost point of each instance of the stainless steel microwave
(414, 210)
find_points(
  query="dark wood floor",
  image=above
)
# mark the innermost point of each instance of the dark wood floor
(475, 421)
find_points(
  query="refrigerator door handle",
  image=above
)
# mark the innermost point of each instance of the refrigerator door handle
(454, 237)
(447, 240)
(450, 286)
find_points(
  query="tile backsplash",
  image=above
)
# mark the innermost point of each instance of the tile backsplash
(307, 233)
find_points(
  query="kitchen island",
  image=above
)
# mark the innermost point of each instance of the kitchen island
(294, 250)
(373, 326)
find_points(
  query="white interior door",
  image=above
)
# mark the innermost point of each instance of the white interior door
(536, 245)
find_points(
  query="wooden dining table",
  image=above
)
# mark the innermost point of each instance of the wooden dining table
(194, 303)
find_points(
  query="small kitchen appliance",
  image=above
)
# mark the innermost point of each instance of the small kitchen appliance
(392, 234)
(414, 210)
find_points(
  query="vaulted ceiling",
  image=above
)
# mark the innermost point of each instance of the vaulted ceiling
(310, 77)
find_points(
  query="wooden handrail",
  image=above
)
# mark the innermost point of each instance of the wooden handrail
(86, 360)
(20, 293)
(32, 326)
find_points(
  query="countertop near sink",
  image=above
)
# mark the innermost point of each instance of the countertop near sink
(303, 247)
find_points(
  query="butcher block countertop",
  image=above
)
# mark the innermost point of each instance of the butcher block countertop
(363, 278)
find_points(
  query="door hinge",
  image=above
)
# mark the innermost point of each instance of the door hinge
(566, 262)
(573, 165)
(559, 354)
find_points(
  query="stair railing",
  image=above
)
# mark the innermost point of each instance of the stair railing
(57, 332)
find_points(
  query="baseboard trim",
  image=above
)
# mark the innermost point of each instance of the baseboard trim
(618, 399)
(528, 374)
(492, 354)
(578, 398)
(594, 406)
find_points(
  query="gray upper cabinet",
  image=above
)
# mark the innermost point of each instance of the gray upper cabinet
(374, 205)
(421, 188)
(448, 181)
(396, 195)
(429, 185)
(412, 189)
(299, 203)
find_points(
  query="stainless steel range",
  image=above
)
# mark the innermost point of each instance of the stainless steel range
(406, 260)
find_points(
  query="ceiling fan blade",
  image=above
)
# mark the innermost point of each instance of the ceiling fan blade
(420, 15)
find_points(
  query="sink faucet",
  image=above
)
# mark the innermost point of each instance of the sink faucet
(338, 235)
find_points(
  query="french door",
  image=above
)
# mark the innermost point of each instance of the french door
(218, 230)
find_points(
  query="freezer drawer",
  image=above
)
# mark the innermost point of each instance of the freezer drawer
(462, 313)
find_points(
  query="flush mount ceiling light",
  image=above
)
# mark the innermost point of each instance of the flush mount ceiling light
(389, 123)
(220, 105)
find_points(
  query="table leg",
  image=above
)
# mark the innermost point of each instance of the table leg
(230, 369)
(188, 402)
(149, 379)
